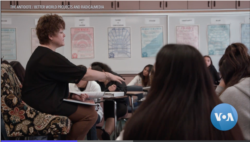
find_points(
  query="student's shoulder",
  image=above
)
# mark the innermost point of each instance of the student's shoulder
(93, 83)
(230, 94)
(137, 76)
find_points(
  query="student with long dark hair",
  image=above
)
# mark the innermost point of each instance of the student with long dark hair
(110, 86)
(19, 70)
(142, 79)
(180, 101)
(213, 72)
(234, 89)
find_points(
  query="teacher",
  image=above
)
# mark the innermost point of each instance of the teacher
(48, 74)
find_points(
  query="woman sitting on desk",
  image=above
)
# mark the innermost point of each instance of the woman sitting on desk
(48, 74)
(142, 79)
(110, 86)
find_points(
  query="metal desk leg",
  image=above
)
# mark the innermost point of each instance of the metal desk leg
(115, 108)
(132, 103)
(115, 116)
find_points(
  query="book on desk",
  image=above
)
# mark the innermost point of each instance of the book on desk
(93, 95)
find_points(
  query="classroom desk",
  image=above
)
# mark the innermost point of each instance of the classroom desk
(115, 108)
(131, 94)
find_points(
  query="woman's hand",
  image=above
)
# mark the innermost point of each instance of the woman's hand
(114, 77)
(112, 88)
(81, 97)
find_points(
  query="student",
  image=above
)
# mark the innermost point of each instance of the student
(142, 79)
(48, 74)
(212, 70)
(89, 86)
(110, 86)
(19, 70)
(234, 88)
(180, 101)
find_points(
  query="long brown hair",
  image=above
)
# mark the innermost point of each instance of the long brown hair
(179, 102)
(234, 64)
(145, 79)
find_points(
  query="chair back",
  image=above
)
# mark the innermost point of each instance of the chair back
(22, 120)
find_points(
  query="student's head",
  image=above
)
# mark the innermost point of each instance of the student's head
(49, 30)
(103, 66)
(19, 70)
(180, 100)
(208, 60)
(234, 64)
(144, 74)
(146, 70)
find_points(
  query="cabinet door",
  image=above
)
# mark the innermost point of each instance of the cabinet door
(223, 4)
(199, 4)
(127, 5)
(78, 5)
(104, 5)
(151, 5)
(243, 4)
(6, 5)
(172, 5)
(52, 3)
(32, 4)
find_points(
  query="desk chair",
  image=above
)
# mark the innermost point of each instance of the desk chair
(20, 119)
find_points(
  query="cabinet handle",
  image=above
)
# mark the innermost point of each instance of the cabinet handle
(208, 3)
(214, 3)
(166, 4)
(10, 2)
(239, 3)
(68, 3)
(111, 4)
(160, 4)
(16, 2)
(62, 3)
(118, 4)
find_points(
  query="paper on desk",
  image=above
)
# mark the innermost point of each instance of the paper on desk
(90, 94)
(113, 94)
(146, 88)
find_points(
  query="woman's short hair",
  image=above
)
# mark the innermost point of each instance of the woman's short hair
(48, 25)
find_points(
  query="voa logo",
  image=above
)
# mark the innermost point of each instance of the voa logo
(224, 117)
(229, 116)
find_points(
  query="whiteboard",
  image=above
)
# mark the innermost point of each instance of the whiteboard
(25, 22)
(202, 20)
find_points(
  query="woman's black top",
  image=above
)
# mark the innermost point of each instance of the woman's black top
(46, 81)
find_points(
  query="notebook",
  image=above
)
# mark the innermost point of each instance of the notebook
(79, 102)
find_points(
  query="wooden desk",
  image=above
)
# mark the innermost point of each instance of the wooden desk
(131, 94)
(115, 108)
